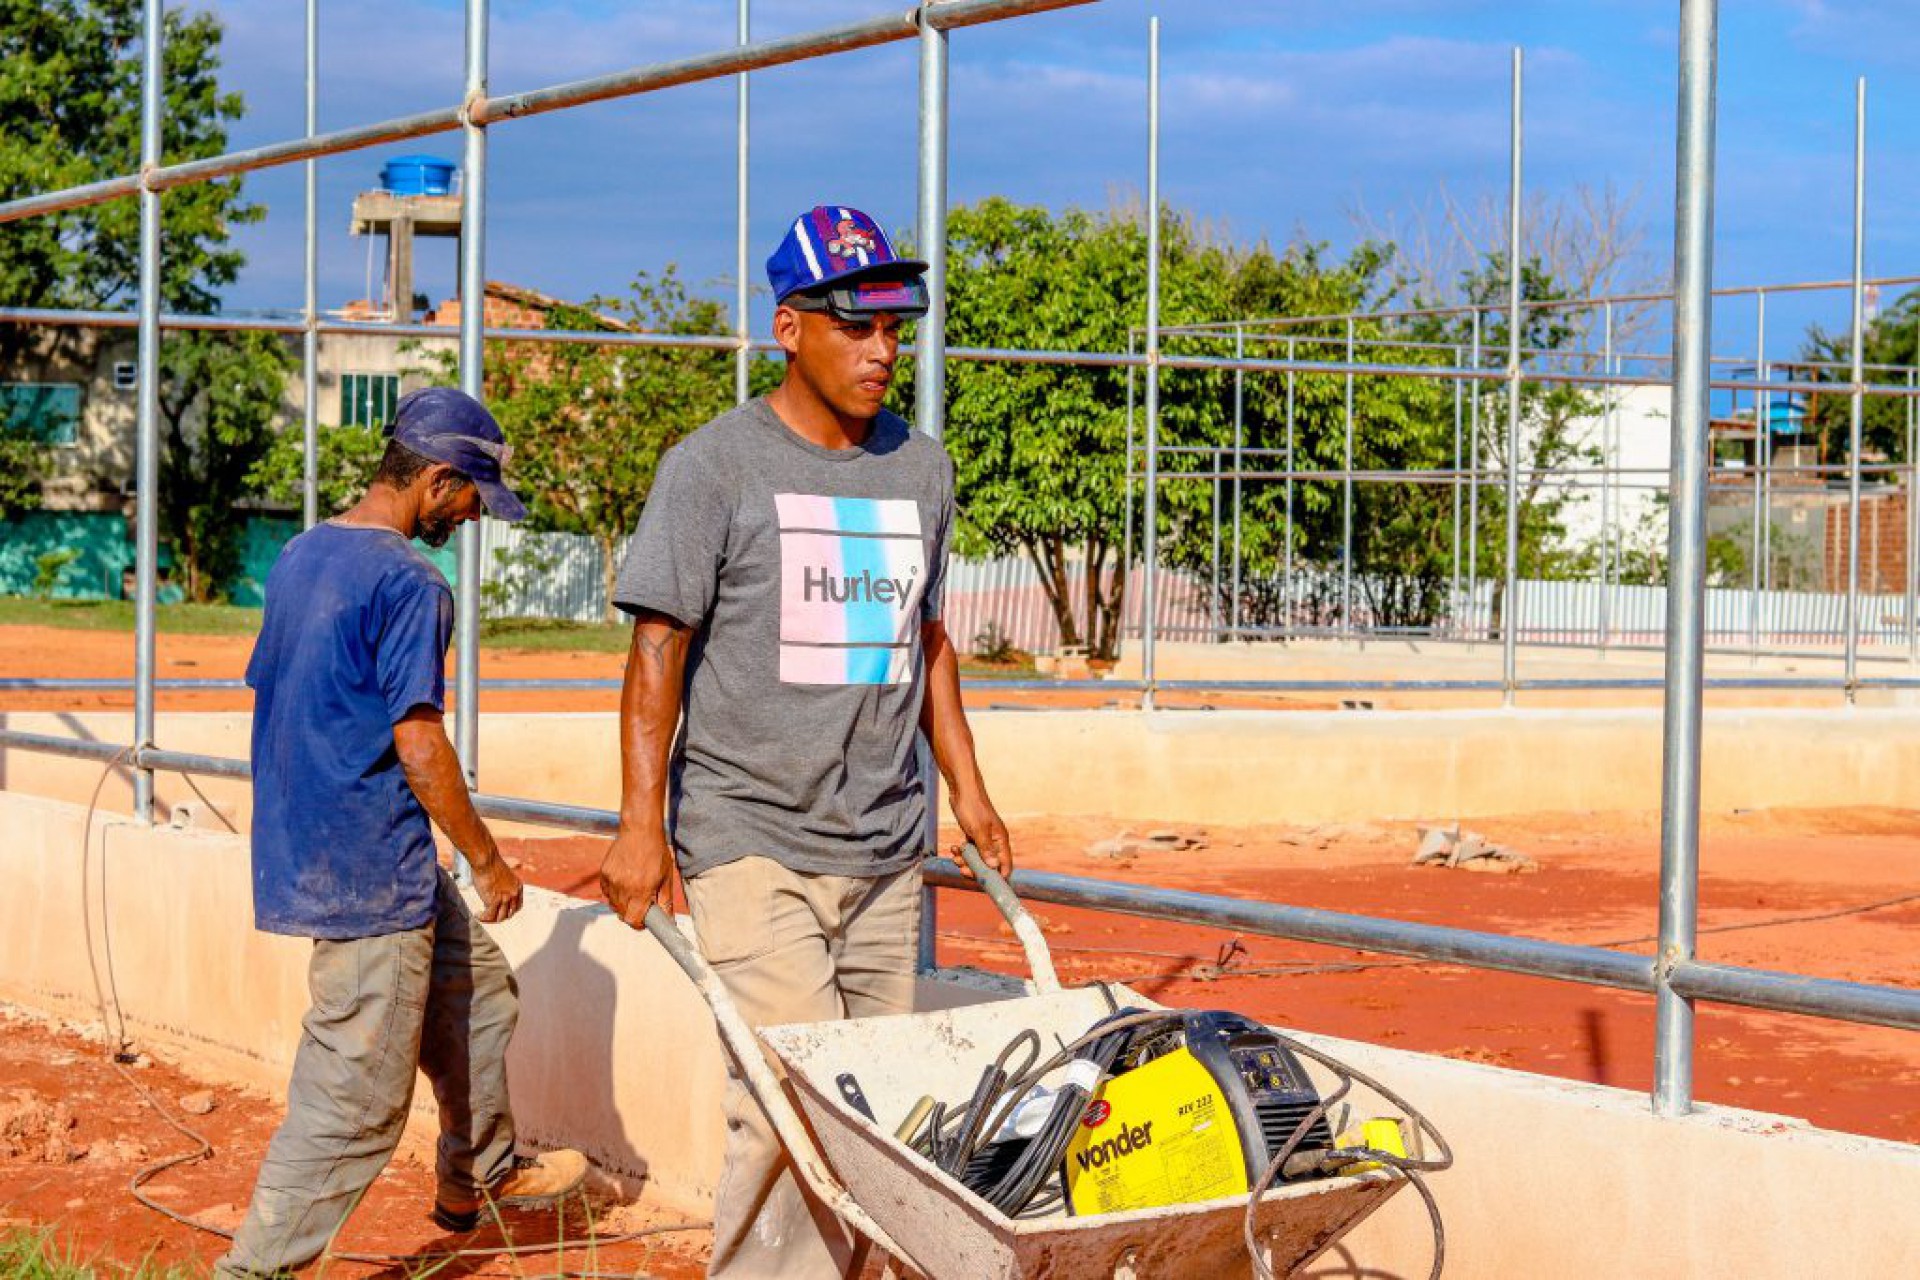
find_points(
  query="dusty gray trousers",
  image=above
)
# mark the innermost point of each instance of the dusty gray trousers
(794, 947)
(441, 998)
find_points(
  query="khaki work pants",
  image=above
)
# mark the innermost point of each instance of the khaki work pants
(794, 947)
(440, 998)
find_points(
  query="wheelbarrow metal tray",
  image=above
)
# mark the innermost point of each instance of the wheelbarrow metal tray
(956, 1236)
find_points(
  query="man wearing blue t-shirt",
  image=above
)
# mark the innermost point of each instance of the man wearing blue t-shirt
(350, 764)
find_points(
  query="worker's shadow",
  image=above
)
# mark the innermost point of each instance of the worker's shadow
(565, 1058)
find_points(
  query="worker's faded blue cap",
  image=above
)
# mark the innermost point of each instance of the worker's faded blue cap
(833, 247)
(450, 426)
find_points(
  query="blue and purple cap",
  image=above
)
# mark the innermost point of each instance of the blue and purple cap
(450, 426)
(836, 258)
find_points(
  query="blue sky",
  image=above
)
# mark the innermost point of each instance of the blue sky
(1280, 121)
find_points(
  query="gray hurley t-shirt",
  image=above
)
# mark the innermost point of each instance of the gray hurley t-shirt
(805, 573)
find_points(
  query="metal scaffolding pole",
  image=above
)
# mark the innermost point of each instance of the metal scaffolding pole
(310, 337)
(1510, 590)
(147, 404)
(1453, 565)
(1687, 556)
(743, 358)
(1609, 483)
(1239, 443)
(1913, 508)
(1286, 561)
(1213, 598)
(1763, 411)
(473, 318)
(1473, 480)
(1126, 527)
(1854, 402)
(1346, 498)
(1149, 594)
(929, 363)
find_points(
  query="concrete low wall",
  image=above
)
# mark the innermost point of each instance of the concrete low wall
(1190, 766)
(615, 1055)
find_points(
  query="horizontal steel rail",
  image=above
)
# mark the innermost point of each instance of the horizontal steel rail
(1529, 957)
(733, 60)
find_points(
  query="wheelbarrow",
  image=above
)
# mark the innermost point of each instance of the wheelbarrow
(898, 1202)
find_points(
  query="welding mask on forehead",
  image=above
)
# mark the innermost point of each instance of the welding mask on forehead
(864, 299)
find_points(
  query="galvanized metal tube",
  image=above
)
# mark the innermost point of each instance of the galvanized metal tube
(473, 316)
(1213, 582)
(1530, 956)
(310, 337)
(1609, 485)
(743, 358)
(1239, 444)
(930, 368)
(1857, 346)
(1286, 564)
(1126, 527)
(1510, 589)
(1346, 497)
(1794, 993)
(1473, 485)
(1151, 536)
(1913, 507)
(1763, 407)
(147, 403)
(1687, 554)
(1756, 570)
(1453, 565)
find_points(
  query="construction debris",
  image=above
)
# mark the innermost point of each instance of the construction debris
(1127, 846)
(36, 1130)
(198, 1104)
(1469, 851)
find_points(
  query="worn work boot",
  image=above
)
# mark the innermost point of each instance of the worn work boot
(533, 1181)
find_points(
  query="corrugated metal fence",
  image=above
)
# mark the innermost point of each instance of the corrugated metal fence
(558, 575)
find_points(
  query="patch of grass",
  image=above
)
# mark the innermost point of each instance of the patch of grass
(117, 615)
(1017, 664)
(555, 635)
(32, 1254)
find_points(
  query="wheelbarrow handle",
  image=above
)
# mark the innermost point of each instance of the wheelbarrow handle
(1025, 927)
(765, 1086)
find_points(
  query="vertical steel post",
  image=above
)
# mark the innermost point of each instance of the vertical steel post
(147, 403)
(1126, 528)
(1855, 404)
(1473, 477)
(1913, 508)
(1213, 601)
(1510, 591)
(1151, 536)
(1757, 533)
(1609, 478)
(473, 319)
(743, 357)
(1239, 443)
(1763, 410)
(310, 339)
(1346, 496)
(1453, 580)
(1286, 560)
(930, 360)
(1687, 554)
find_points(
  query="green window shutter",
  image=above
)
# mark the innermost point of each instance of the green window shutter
(45, 411)
(368, 399)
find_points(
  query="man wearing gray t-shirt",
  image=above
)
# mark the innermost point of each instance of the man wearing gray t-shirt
(785, 584)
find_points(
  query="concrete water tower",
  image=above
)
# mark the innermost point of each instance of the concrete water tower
(418, 196)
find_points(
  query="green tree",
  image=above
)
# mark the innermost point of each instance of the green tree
(1040, 450)
(1891, 338)
(589, 422)
(220, 394)
(69, 114)
(346, 460)
(23, 466)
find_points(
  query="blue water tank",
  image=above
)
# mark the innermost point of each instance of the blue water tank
(417, 176)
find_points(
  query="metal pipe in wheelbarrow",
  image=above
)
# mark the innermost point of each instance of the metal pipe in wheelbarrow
(765, 1085)
(1025, 927)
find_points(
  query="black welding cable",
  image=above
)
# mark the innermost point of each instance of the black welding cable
(1262, 1269)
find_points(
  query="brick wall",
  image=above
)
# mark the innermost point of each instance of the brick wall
(1883, 544)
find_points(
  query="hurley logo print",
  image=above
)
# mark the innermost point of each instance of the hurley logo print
(852, 573)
